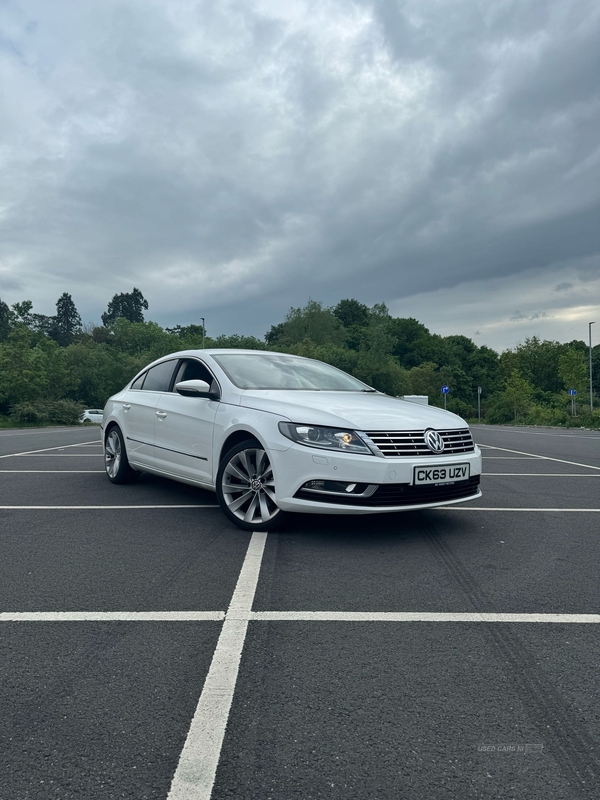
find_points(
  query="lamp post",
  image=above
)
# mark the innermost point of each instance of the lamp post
(591, 390)
(203, 329)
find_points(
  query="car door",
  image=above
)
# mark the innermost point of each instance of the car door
(139, 412)
(184, 427)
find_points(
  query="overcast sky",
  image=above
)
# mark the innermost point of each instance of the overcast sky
(232, 159)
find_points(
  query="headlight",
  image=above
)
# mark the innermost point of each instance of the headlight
(325, 438)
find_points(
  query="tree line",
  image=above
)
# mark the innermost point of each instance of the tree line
(53, 366)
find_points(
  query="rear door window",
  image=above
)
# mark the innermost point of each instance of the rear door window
(158, 378)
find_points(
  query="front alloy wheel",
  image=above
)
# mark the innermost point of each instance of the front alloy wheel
(246, 487)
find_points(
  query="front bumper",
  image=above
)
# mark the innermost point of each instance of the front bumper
(393, 477)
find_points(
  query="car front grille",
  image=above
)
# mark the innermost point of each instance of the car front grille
(392, 444)
(401, 494)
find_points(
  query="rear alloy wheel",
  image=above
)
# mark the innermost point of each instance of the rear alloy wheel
(115, 458)
(246, 488)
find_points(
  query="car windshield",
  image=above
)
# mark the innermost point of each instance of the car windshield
(269, 371)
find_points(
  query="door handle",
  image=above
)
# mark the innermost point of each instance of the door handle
(126, 406)
(161, 414)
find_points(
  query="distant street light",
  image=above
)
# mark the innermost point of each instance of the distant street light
(591, 390)
(203, 329)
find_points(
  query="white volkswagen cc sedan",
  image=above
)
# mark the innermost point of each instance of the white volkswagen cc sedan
(272, 433)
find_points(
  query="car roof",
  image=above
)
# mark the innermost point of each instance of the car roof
(211, 351)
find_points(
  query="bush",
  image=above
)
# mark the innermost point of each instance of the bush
(464, 410)
(544, 415)
(29, 413)
(584, 419)
(46, 412)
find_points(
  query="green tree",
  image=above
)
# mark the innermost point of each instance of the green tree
(236, 341)
(312, 322)
(517, 394)
(414, 343)
(537, 361)
(143, 337)
(573, 372)
(428, 379)
(32, 368)
(596, 368)
(42, 323)
(101, 369)
(188, 331)
(4, 321)
(351, 313)
(67, 322)
(275, 334)
(20, 314)
(128, 305)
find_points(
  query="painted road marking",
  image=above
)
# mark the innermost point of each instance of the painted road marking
(486, 474)
(46, 449)
(415, 616)
(111, 616)
(99, 508)
(39, 431)
(195, 774)
(215, 505)
(292, 616)
(488, 508)
(534, 433)
(545, 458)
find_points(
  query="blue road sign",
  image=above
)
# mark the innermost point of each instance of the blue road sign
(445, 389)
(573, 392)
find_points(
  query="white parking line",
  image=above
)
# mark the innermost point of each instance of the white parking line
(545, 458)
(489, 508)
(486, 474)
(215, 505)
(46, 449)
(100, 508)
(111, 616)
(56, 455)
(292, 616)
(37, 432)
(534, 433)
(197, 767)
(415, 616)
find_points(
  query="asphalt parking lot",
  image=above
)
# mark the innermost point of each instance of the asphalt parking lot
(149, 649)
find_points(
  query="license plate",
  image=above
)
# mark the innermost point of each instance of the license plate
(438, 475)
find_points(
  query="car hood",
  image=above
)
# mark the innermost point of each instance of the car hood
(357, 410)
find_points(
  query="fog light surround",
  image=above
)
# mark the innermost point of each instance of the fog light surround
(340, 488)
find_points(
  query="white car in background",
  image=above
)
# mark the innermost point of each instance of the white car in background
(94, 415)
(274, 433)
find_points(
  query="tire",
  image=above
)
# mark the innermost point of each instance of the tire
(246, 488)
(116, 462)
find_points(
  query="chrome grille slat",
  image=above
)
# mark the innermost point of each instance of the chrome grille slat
(412, 443)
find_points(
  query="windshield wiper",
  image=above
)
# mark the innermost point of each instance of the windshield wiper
(368, 390)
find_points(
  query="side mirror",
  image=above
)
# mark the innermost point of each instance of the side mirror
(195, 388)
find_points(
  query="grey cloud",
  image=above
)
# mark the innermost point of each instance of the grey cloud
(231, 162)
(563, 287)
(518, 316)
